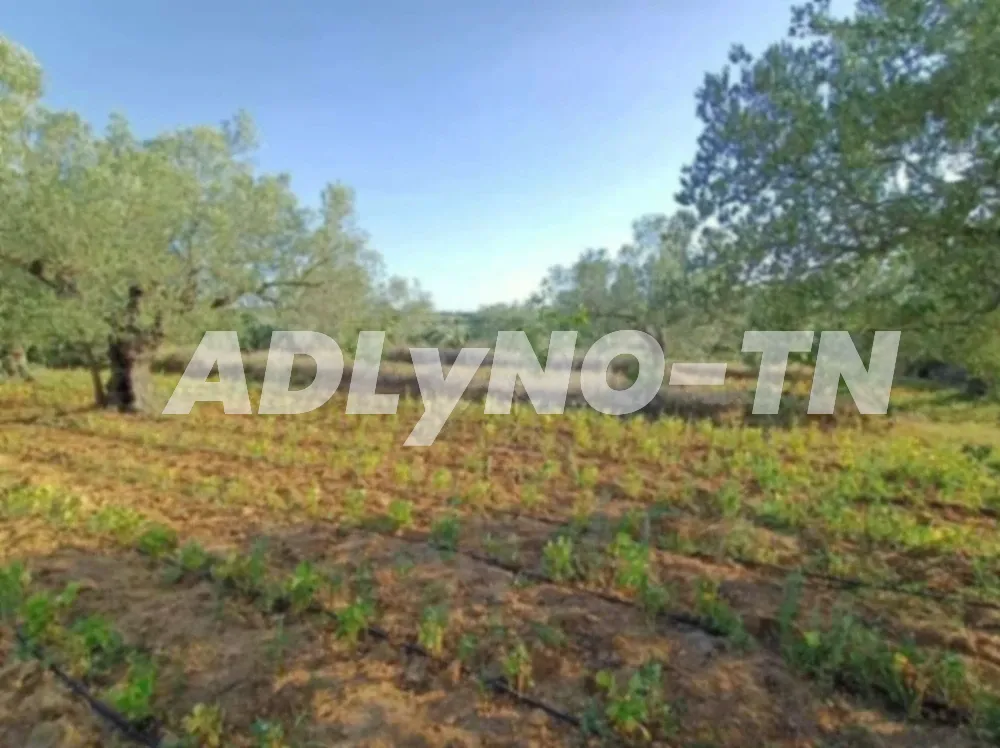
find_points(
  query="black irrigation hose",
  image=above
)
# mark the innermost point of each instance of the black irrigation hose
(842, 582)
(934, 710)
(832, 580)
(117, 720)
(495, 684)
(677, 618)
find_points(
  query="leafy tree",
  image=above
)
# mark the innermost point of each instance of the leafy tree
(663, 283)
(855, 169)
(121, 243)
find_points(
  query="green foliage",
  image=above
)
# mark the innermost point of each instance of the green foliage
(246, 573)
(638, 707)
(14, 581)
(849, 653)
(516, 665)
(145, 240)
(302, 586)
(205, 725)
(157, 541)
(354, 619)
(660, 283)
(400, 514)
(193, 558)
(557, 558)
(134, 695)
(468, 647)
(433, 625)
(121, 523)
(445, 533)
(41, 612)
(851, 169)
(94, 646)
(631, 560)
(268, 734)
(354, 506)
(41, 501)
(719, 615)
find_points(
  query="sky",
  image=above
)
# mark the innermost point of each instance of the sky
(485, 141)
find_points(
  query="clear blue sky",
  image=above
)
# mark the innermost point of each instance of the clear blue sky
(486, 141)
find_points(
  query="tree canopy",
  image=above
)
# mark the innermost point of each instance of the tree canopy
(116, 243)
(855, 168)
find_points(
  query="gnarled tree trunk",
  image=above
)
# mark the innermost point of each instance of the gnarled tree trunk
(130, 387)
(130, 356)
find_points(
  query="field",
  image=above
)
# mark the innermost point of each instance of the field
(526, 581)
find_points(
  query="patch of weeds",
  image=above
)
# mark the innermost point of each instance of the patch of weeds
(121, 523)
(433, 626)
(558, 559)
(94, 647)
(353, 620)
(41, 612)
(478, 492)
(849, 653)
(193, 558)
(516, 665)
(205, 725)
(987, 718)
(653, 598)
(403, 565)
(278, 644)
(729, 500)
(247, 573)
(157, 541)
(550, 469)
(14, 582)
(445, 533)
(302, 586)
(505, 549)
(400, 515)
(134, 695)
(468, 648)
(638, 707)
(631, 561)
(634, 523)
(442, 480)
(721, 618)
(531, 496)
(549, 635)
(632, 483)
(587, 477)
(268, 734)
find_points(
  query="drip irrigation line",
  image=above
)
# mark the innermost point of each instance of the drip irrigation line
(149, 737)
(495, 684)
(932, 709)
(830, 579)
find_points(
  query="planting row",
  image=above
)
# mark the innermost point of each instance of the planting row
(842, 652)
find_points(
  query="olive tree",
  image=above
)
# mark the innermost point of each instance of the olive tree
(131, 242)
